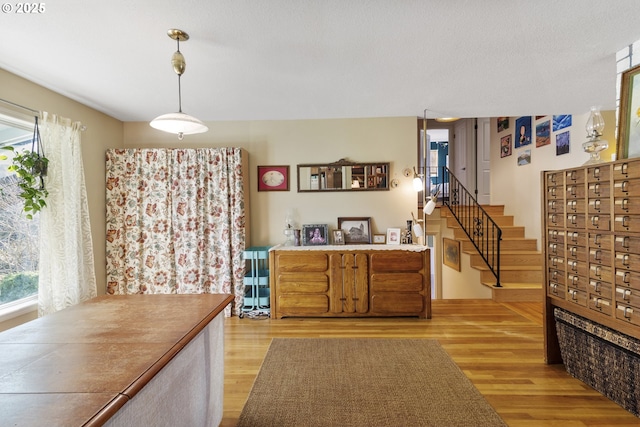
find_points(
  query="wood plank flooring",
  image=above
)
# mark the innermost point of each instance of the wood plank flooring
(499, 346)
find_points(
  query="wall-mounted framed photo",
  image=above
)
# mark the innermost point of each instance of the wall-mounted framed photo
(356, 229)
(273, 178)
(393, 236)
(315, 234)
(451, 253)
(628, 145)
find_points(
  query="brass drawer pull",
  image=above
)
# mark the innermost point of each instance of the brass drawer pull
(625, 186)
(628, 312)
(598, 271)
(625, 221)
(596, 173)
(597, 300)
(595, 220)
(625, 204)
(626, 278)
(596, 189)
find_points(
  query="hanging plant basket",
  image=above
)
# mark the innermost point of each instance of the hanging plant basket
(31, 167)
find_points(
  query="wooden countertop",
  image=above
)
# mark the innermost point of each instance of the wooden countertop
(80, 365)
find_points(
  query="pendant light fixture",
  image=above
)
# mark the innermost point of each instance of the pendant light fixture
(178, 123)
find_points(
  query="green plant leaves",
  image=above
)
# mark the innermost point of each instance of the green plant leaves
(30, 168)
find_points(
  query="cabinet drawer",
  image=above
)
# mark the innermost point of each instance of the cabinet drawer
(629, 313)
(627, 278)
(556, 289)
(396, 261)
(601, 272)
(394, 304)
(598, 173)
(555, 178)
(626, 205)
(576, 238)
(600, 304)
(600, 256)
(628, 261)
(577, 296)
(599, 206)
(626, 170)
(600, 241)
(577, 267)
(556, 276)
(575, 221)
(555, 192)
(576, 252)
(555, 249)
(598, 189)
(296, 261)
(599, 222)
(555, 206)
(555, 220)
(626, 187)
(556, 262)
(396, 282)
(600, 288)
(575, 191)
(575, 176)
(302, 283)
(628, 296)
(626, 223)
(575, 206)
(627, 244)
(556, 236)
(577, 282)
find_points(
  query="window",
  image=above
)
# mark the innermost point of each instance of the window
(19, 243)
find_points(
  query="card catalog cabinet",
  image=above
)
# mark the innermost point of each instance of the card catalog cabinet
(591, 246)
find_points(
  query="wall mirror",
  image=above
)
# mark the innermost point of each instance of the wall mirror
(343, 175)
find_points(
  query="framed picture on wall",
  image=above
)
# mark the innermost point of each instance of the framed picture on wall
(273, 178)
(629, 116)
(451, 253)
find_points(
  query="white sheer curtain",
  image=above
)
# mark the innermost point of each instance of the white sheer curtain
(67, 274)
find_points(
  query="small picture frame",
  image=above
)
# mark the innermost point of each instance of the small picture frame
(357, 230)
(273, 178)
(338, 237)
(451, 253)
(379, 239)
(315, 234)
(393, 236)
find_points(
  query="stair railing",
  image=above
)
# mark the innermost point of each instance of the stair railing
(481, 229)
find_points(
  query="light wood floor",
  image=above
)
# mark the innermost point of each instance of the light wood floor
(499, 346)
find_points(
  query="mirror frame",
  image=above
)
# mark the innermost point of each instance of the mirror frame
(347, 163)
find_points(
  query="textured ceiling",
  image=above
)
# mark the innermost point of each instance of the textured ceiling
(297, 59)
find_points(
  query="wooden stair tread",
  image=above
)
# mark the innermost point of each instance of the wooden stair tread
(511, 267)
(515, 285)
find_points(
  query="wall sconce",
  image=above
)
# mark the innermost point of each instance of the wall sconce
(594, 127)
(431, 204)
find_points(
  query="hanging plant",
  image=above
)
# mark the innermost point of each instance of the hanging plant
(31, 168)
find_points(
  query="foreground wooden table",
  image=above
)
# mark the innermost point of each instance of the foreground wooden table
(117, 360)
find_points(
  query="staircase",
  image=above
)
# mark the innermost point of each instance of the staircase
(520, 262)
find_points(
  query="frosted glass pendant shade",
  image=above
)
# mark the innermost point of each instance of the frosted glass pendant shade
(178, 123)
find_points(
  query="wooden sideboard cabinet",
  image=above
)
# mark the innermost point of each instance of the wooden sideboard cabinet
(591, 245)
(339, 281)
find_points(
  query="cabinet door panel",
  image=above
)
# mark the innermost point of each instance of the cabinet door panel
(297, 261)
(397, 282)
(396, 304)
(396, 261)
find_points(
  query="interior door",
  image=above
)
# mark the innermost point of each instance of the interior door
(458, 153)
(483, 160)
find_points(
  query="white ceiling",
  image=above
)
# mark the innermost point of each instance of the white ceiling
(296, 59)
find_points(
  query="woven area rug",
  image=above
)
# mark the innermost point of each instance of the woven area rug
(354, 382)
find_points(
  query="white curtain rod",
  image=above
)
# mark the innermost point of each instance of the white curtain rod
(36, 113)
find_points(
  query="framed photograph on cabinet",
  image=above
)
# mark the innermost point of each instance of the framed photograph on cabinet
(356, 229)
(393, 236)
(451, 253)
(338, 237)
(315, 234)
(379, 239)
(628, 145)
(273, 178)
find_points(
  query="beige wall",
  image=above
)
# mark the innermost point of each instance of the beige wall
(307, 141)
(518, 187)
(102, 132)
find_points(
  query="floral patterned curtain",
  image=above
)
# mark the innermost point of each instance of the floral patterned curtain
(175, 221)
